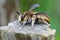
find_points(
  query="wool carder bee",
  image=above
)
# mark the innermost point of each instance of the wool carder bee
(33, 17)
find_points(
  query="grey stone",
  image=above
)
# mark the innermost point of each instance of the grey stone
(16, 31)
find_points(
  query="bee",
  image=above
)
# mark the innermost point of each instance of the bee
(27, 16)
(33, 17)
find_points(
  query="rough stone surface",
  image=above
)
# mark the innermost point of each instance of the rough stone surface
(16, 31)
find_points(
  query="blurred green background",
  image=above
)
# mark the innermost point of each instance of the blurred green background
(50, 6)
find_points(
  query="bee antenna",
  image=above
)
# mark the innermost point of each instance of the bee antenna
(34, 6)
(18, 12)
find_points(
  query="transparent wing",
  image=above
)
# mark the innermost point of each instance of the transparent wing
(34, 6)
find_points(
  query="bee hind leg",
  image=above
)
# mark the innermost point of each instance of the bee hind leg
(47, 23)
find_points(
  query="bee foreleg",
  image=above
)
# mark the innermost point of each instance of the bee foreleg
(25, 20)
(19, 17)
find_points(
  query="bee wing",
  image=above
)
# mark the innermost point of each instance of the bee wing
(34, 6)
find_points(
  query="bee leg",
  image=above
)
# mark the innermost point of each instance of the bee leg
(25, 20)
(47, 23)
(19, 17)
(33, 21)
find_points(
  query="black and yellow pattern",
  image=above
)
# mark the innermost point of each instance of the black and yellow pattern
(36, 16)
